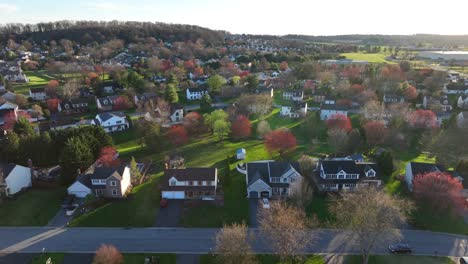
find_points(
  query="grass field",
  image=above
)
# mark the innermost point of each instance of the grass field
(265, 259)
(36, 79)
(32, 208)
(56, 258)
(393, 259)
(369, 57)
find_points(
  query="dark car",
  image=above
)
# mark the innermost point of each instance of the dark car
(400, 248)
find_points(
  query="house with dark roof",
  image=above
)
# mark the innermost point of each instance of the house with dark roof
(111, 122)
(189, 183)
(328, 110)
(393, 99)
(73, 106)
(294, 110)
(345, 174)
(195, 93)
(271, 178)
(106, 103)
(294, 95)
(37, 94)
(104, 182)
(142, 99)
(14, 178)
(6, 108)
(416, 168)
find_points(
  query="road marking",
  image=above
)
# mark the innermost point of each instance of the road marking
(31, 241)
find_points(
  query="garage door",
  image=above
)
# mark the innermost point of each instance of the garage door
(253, 195)
(173, 195)
(80, 194)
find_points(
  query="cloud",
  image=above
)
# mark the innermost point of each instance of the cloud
(107, 6)
(8, 8)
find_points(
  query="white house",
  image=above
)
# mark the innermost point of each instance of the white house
(294, 111)
(462, 102)
(328, 111)
(189, 183)
(111, 122)
(294, 95)
(15, 177)
(462, 120)
(241, 153)
(195, 93)
(37, 94)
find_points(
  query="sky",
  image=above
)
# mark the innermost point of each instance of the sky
(273, 17)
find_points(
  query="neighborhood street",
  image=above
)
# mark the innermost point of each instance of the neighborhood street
(199, 241)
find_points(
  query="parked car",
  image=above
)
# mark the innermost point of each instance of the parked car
(68, 201)
(265, 203)
(163, 203)
(71, 210)
(400, 248)
(464, 260)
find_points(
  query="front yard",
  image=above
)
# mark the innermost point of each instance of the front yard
(35, 207)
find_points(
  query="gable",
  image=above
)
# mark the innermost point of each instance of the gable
(258, 185)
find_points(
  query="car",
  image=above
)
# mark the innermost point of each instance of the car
(71, 210)
(68, 201)
(464, 260)
(265, 203)
(163, 203)
(400, 248)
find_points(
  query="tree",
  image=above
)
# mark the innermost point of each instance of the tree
(410, 93)
(177, 135)
(171, 95)
(76, 154)
(205, 103)
(23, 127)
(241, 127)
(211, 118)
(439, 191)
(307, 164)
(221, 128)
(257, 104)
(371, 217)
(108, 254)
(385, 163)
(135, 172)
(263, 128)
(70, 89)
(355, 141)
(337, 140)
(405, 66)
(286, 229)
(281, 141)
(51, 87)
(284, 66)
(448, 146)
(193, 122)
(36, 111)
(339, 121)
(109, 157)
(301, 193)
(21, 100)
(121, 103)
(376, 132)
(215, 83)
(10, 147)
(251, 81)
(52, 104)
(423, 119)
(232, 245)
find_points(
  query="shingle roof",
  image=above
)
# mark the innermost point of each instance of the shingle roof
(191, 174)
(7, 168)
(105, 172)
(422, 168)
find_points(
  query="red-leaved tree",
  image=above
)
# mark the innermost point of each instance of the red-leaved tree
(193, 122)
(281, 141)
(410, 93)
(339, 121)
(177, 135)
(356, 88)
(440, 191)
(11, 117)
(108, 254)
(51, 87)
(423, 119)
(121, 103)
(52, 104)
(376, 132)
(241, 127)
(109, 157)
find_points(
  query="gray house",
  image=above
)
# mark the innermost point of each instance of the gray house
(270, 178)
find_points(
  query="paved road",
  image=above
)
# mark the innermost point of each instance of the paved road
(198, 241)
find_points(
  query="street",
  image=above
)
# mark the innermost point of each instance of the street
(200, 241)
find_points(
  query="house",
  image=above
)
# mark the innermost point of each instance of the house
(73, 106)
(7, 108)
(241, 153)
(106, 103)
(271, 178)
(111, 122)
(327, 111)
(266, 90)
(345, 174)
(173, 113)
(9, 96)
(58, 124)
(294, 95)
(329, 100)
(2, 88)
(441, 104)
(195, 93)
(37, 94)
(462, 120)
(462, 102)
(393, 99)
(416, 168)
(295, 110)
(12, 72)
(141, 99)
(14, 178)
(104, 182)
(189, 183)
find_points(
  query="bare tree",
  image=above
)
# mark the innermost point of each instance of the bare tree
(307, 163)
(263, 128)
(371, 217)
(107, 254)
(70, 89)
(287, 229)
(258, 104)
(301, 193)
(232, 245)
(337, 139)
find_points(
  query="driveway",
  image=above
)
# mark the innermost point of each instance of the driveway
(60, 219)
(169, 216)
(253, 211)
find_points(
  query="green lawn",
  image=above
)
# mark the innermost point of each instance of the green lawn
(56, 258)
(394, 259)
(264, 259)
(32, 208)
(370, 57)
(138, 210)
(36, 79)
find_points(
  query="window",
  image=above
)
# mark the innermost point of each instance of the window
(114, 192)
(118, 122)
(200, 183)
(173, 183)
(285, 180)
(190, 183)
(371, 174)
(113, 183)
(209, 183)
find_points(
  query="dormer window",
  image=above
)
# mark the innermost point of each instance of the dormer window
(172, 182)
(371, 173)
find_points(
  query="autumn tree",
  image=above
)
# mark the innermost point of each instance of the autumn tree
(371, 217)
(221, 128)
(232, 245)
(423, 119)
(376, 132)
(70, 89)
(241, 127)
(21, 100)
(340, 122)
(109, 157)
(215, 83)
(177, 135)
(193, 122)
(281, 141)
(108, 254)
(286, 228)
(337, 140)
(52, 104)
(51, 87)
(439, 191)
(410, 93)
(263, 128)
(121, 103)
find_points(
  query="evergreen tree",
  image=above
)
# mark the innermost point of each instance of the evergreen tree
(205, 104)
(171, 95)
(22, 127)
(385, 163)
(76, 155)
(134, 172)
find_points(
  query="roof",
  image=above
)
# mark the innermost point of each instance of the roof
(37, 90)
(348, 166)
(241, 150)
(422, 168)
(294, 92)
(191, 174)
(267, 169)
(334, 107)
(197, 90)
(106, 116)
(7, 168)
(147, 96)
(105, 172)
